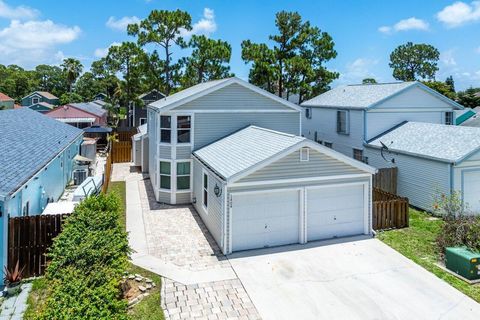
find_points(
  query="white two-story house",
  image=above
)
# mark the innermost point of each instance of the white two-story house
(346, 117)
(234, 151)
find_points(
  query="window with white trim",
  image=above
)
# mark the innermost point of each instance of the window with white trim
(358, 154)
(35, 100)
(449, 118)
(165, 129)
(304, 154)
(183, 175)
(143, 121)
(165, 175)
(205, 190)
(183, 129)
(308, 113)
(342, 122)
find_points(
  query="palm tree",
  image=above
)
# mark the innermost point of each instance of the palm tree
(72, 69)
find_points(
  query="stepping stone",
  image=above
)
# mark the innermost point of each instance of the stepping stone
(142, 288)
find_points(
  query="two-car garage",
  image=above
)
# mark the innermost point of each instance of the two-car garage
(278, 217)
(276, 189)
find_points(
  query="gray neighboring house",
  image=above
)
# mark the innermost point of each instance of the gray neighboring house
(260, 188)
(431, 158)
(235, 152)
(346, 117)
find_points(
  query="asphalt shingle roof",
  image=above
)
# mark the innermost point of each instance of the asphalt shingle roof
(29, 140)
(90, 107)
(357, 96)
(4, 97)
(429, 140)
(244, 149)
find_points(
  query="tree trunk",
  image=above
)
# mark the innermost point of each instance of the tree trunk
(167, 68)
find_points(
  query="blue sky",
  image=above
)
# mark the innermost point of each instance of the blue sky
(365, 32)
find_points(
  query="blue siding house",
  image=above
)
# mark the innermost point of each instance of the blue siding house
(36, 164)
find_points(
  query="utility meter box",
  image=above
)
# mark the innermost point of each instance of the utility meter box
(463, 262)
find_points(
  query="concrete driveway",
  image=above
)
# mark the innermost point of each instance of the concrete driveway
(357, 278)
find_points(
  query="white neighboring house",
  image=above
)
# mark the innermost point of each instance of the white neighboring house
(346, 117)
(431, 159)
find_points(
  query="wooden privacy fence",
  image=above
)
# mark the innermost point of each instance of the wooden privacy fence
(121, 151)
(389, 211)
(28, 241)
(386, 179)
(107, 174)
(125, 135)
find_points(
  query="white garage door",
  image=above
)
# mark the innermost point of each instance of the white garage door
(265, 219)
(335, 211)
(471, 190)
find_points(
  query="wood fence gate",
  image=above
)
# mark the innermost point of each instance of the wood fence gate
(121, 151)
(389, 211)
(28, 241)
(386, 180)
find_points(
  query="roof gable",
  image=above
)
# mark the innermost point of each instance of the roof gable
(44, 94)
(366, 96)
(252, 148)
(202, 89)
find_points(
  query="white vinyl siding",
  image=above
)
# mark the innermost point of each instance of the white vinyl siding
(164, 197)
(233, 97)
(165, 152)
(209, 127)
(183, 197)
(324, 124)
(418, 179)
(290, 167)
(213, 220)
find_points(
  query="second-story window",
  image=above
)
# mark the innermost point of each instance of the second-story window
(342, 121)
(308, 113)
(35, 100)
(183, 129)
(165, 129)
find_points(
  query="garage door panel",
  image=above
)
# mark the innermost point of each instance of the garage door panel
(471, 189)
(335, 211)
(265, 219)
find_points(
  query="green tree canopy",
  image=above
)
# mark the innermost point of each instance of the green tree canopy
(208, 60)
(469, 98)
(72, 69)
(163, 28)
(442, 88)
(369, 81)
(412, 62)
(295, 64)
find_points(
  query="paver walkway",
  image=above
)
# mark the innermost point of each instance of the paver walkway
(14, 307)
(198, 280)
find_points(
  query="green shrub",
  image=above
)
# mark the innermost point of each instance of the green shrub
(461, 227)
(87, 263)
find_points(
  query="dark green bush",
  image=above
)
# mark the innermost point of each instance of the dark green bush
(87, 262)
(460, 231)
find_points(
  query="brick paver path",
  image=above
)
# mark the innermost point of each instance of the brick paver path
(177, 235)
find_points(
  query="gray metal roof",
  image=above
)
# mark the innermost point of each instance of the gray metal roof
(357, 96)
(434, 141)
(29, 140)
(244, 149)
(89, 107)
(472, 122)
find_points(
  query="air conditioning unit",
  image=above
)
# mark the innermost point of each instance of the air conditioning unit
(79, 176)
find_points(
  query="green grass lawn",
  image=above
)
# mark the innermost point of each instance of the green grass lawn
(418, 244)
(149, 307)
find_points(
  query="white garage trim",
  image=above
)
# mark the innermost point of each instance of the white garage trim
(310, 179)
(366, 207)
(300, 211)
(464, 173)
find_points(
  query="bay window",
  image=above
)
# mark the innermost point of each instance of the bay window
(183, 175)
(183, 129)
(165, 129)
(165, 175)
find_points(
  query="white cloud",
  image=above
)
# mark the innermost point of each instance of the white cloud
(34, 42)
(406, 25)
(20, 12)
(448, 58)
(459, 13)
(205, 26)
(122, 23)
(102, 52)
(358, 70)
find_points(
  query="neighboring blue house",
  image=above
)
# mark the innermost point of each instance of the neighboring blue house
(41, 101)
(35, 166)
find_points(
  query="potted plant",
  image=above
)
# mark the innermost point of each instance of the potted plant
(13, 279)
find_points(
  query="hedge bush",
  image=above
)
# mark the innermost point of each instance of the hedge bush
(87, 263)
(461, 231)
